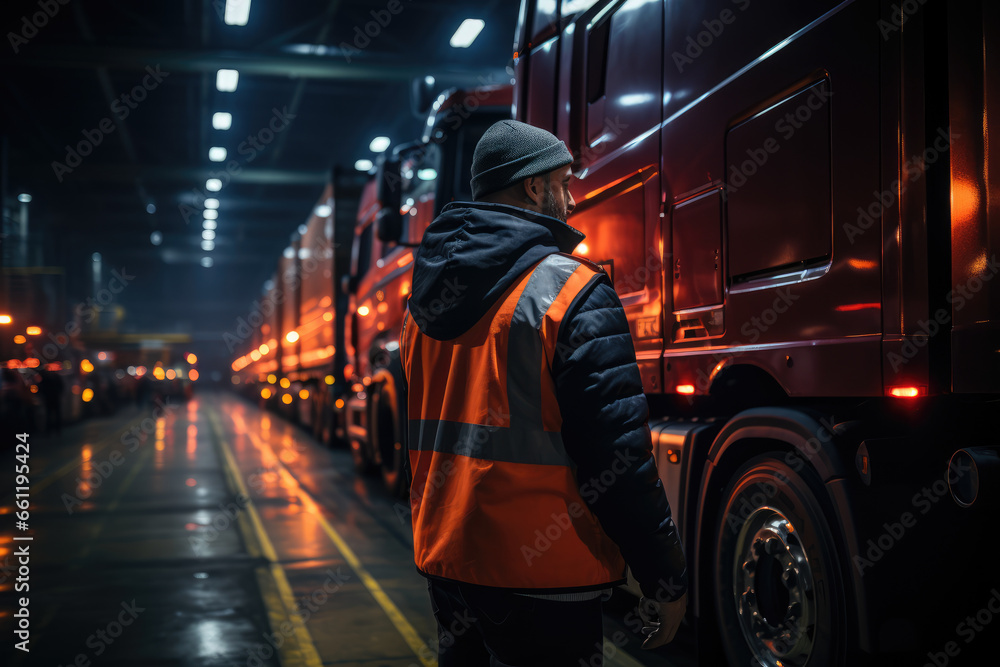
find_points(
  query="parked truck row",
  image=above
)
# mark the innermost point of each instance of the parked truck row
(796, 206)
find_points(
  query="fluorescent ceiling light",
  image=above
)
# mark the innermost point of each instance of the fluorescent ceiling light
(207, 262)
(324, 210)
(289, 253)
(208, 235)
(363, 165)
(427, 174)
(212, 203)
(217, 154)
(226, 80)
(24, 198)
(210, 214)
(208, 245)
(467, 33)
(213, 185)
(379, 144)
(222, 120)
(237, 12)
(209, 224)
(156, 238)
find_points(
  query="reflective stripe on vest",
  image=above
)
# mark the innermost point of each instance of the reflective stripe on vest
(494, 498)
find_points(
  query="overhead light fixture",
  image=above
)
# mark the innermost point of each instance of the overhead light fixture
(302, 230)
(217, 154)
(379, 144)
(211, 203)
(324, 210)
(210, 214)
(6, 319)
(209, 224)
(222, 120)
(467, 33)
(429, 80)
(226, 80)
(207, 262)
(237, 12)
(208, 245)
(427, 174)
(151, 208)
(156, 238)
(24, 198)
(363, 165)
(208, 235)
(289, 253)
(213, 185)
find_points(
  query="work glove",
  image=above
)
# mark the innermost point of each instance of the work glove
(661, 620)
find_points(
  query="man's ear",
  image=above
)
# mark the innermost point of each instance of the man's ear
(534, 190)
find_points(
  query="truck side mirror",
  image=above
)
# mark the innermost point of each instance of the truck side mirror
(389, 221)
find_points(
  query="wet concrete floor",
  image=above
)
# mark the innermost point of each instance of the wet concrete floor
(210, 532)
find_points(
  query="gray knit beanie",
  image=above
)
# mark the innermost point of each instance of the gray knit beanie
(511, 151)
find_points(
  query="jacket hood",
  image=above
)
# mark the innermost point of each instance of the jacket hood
(471, 254)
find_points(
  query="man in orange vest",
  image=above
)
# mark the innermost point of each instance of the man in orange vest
(533, 479)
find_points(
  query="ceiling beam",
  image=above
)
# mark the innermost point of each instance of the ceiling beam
(360, 68)
(124, 173)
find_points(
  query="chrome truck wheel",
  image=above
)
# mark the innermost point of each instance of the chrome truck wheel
(778, 592)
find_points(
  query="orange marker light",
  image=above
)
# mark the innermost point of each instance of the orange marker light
(88, 395)
(685, 389)
(192, 359)
(193, 375)
(304, 394)
(33, 331)
(86, 366)
(20, 340)
(363, 311)
(340, 404)
(292, 336)
(286, 399)
(907, 392)
(265, 392)
(6, 319)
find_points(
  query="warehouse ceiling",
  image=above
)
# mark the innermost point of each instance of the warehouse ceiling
(108, 119)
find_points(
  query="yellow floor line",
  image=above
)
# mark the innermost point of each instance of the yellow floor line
(308, 653)
(403, 626)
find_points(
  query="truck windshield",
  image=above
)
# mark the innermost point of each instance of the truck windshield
(419, 172)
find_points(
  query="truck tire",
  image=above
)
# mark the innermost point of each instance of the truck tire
(778, 587)
(387, 435)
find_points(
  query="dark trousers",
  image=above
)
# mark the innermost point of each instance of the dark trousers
(484, 627)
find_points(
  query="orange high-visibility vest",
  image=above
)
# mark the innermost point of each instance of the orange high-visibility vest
(494, 497)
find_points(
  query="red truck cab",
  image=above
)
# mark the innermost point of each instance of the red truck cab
(793, 203)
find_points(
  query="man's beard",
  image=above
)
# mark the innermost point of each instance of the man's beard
(550, 207)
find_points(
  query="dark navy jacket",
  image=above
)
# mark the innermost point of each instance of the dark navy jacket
(468, 258)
